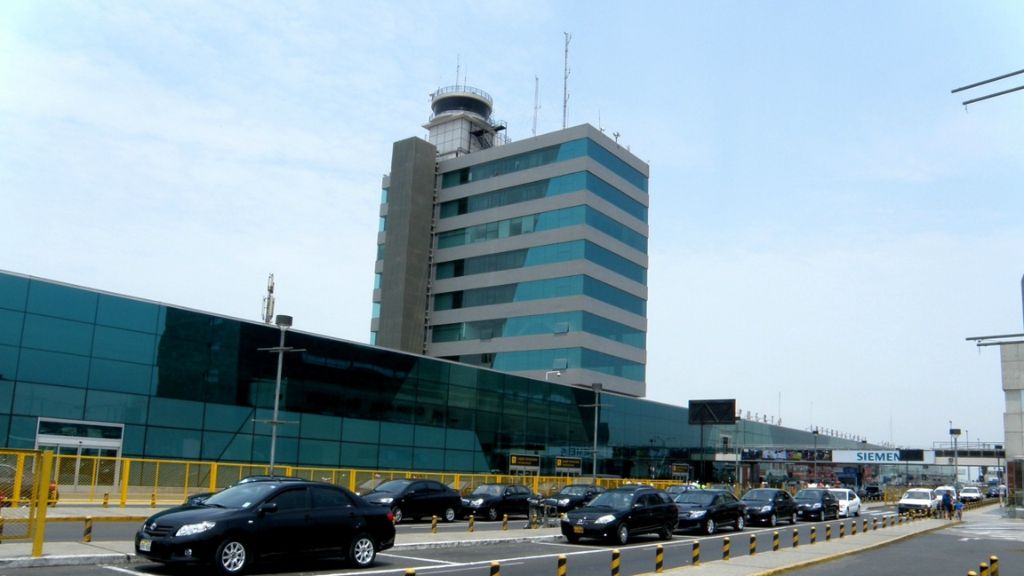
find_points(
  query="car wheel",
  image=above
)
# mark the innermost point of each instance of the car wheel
(792, 519)
(492, 513)
(397, 511)
(449, 514)
(622, 534)
(857, 513)
(773, 520)
(572, 538)
(709, 526)
(740, 523)
(666, 532)
(362, 551)
(232, 557)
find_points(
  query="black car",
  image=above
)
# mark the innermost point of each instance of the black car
(769, 505)
(619, 514)
(709, 509)
(571, 497)
(493, 501)
(816, 503)
(417, 499)
(264, 519)
(197, 499)
(870, 492)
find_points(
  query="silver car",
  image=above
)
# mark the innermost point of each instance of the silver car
(849, 502)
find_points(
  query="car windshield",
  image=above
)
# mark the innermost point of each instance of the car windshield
(392, 486)
(614, 499)
(759, 495)
(809, 494)
(241, 495)
(969, 491)
(841, 494)
(489, 490)
(917, 495)
(695, 497)
(574, 491)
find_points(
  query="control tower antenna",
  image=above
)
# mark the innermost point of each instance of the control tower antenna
(565, 82)
(536, 102)
(268, 301)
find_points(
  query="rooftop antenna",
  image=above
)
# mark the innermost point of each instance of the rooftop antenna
(565, 82)
(536, 102)
(268, 301)
(599, 126)
(458, 68)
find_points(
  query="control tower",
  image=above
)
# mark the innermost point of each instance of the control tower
(461, 122)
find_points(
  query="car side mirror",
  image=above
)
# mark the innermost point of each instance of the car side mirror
(268, 507)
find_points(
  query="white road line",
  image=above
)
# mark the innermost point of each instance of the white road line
(124, 570)
(418, 559)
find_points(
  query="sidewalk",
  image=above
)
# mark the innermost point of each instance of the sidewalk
(19, 553)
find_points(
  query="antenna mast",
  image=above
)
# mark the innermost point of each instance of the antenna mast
(268, 301)
(536, 102)
(565, 82)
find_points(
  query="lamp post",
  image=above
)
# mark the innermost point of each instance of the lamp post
(815, 456)
(596, 405)
(955, 433)
(283, 323)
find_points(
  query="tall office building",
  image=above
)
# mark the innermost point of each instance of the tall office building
(528, 257)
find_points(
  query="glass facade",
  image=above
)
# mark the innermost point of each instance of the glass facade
(540, 256)
(541, 290)
(555, 323)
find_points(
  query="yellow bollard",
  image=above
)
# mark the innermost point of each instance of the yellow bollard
(814, 534)
(828, 532)
(1, 527)
(983, 569)
(866, 524)
(796, 537)
(472, 523)
(616, 562)
(696, 553)
(106, 499)
(753, 545)
(842, 530)
(874, 524)
(495, 569)
(562, 569)
(725, 548)
(410, 572)
(433, 524)
(775, 541)
(659, 560)
(87, 532)
(993, 562)
(504, 522)
(152, 500)
(972, 573)
(853, 528)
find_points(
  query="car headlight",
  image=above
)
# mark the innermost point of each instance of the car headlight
(697, 513)
(386, 500)
(816, 505)
(563, 502)
(190, 529)
(605, 519)
(766, 508)
(476, 502)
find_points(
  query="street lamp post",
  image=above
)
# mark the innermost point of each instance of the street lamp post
(955, 433)
(815, 456)
(597, 406)
(283, 323)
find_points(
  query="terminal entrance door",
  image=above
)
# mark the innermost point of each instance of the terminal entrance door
(89, 452)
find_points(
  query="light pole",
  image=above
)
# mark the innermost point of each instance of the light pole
(955, 433)
(815, 456)
(283, 323)
(596, 405)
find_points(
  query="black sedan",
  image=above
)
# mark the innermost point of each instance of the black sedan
(709, 509)
(619, 514)
(416, 499)
(816, 504)
(493, 501)
(264, 519)
(769, 505)
(571, 497)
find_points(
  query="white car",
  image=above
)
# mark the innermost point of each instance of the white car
(971, 494)
(849, 502)
(918, 500)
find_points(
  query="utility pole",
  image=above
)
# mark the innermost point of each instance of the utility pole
(983, 82)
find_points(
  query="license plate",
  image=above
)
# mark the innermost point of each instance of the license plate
(145, 545)
(577, 529)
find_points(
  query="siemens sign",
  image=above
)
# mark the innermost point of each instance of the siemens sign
(883, 456)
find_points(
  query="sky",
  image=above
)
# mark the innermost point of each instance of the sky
(828, 223)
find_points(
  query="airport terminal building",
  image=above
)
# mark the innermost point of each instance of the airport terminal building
(94, 373)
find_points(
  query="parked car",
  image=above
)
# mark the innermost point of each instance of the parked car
(870, 492)
(622, 513)
(677, 489)
(571, 497)
(492, 501)
(917, 500)
(996, 491)
(849, 502)
(8, 476)
(197, 499)
(417, 498)
(816, 503)
(769, 506)
(709, 509)
(243, 524)
(971, 494)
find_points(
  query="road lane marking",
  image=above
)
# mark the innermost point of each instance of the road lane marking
(418, 559)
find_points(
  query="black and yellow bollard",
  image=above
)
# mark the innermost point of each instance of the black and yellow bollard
(504, 522)
(152, 500)
(993, 562)
(726, 547)
(696, 553)
(874, 524)
(842, 530)
(410, 572)
(853, 528)
(87, 532)
(753, 545)
(814, 534)
(775, 541)
(433, 524)
(866, 524)
(1, 527)
(659, 559)
(796, 537)
(495, 569)
(562, 568)
(983, 569)
(472, 523)
(972, 573)
(106, 499)
(616, 562)
(828, 532)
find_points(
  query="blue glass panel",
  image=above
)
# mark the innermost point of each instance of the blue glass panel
(429, 436)
(10, 326)
(6, 397)
(125, 313)
(228, 418)
(134, 440)
(287, 449)
(612, 194)
(61, 301)
(458, 461)
(616, 164)
(113, 407)
(222, 447)
(4, 422)
(264, 416)
(46, 333)
(322, 427)
(355, 455)
(120, 376)
(23, 432)
(319, 453)
(395, 433)
(604, 223)
(8, 363)
(353, 430)
(428, 459)
(614, 296)
(53, 368)
(126, 345)
(13, 292)
(460, 439)
(395, 457)
(175, 413)
(53, 401)
(173, 443)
